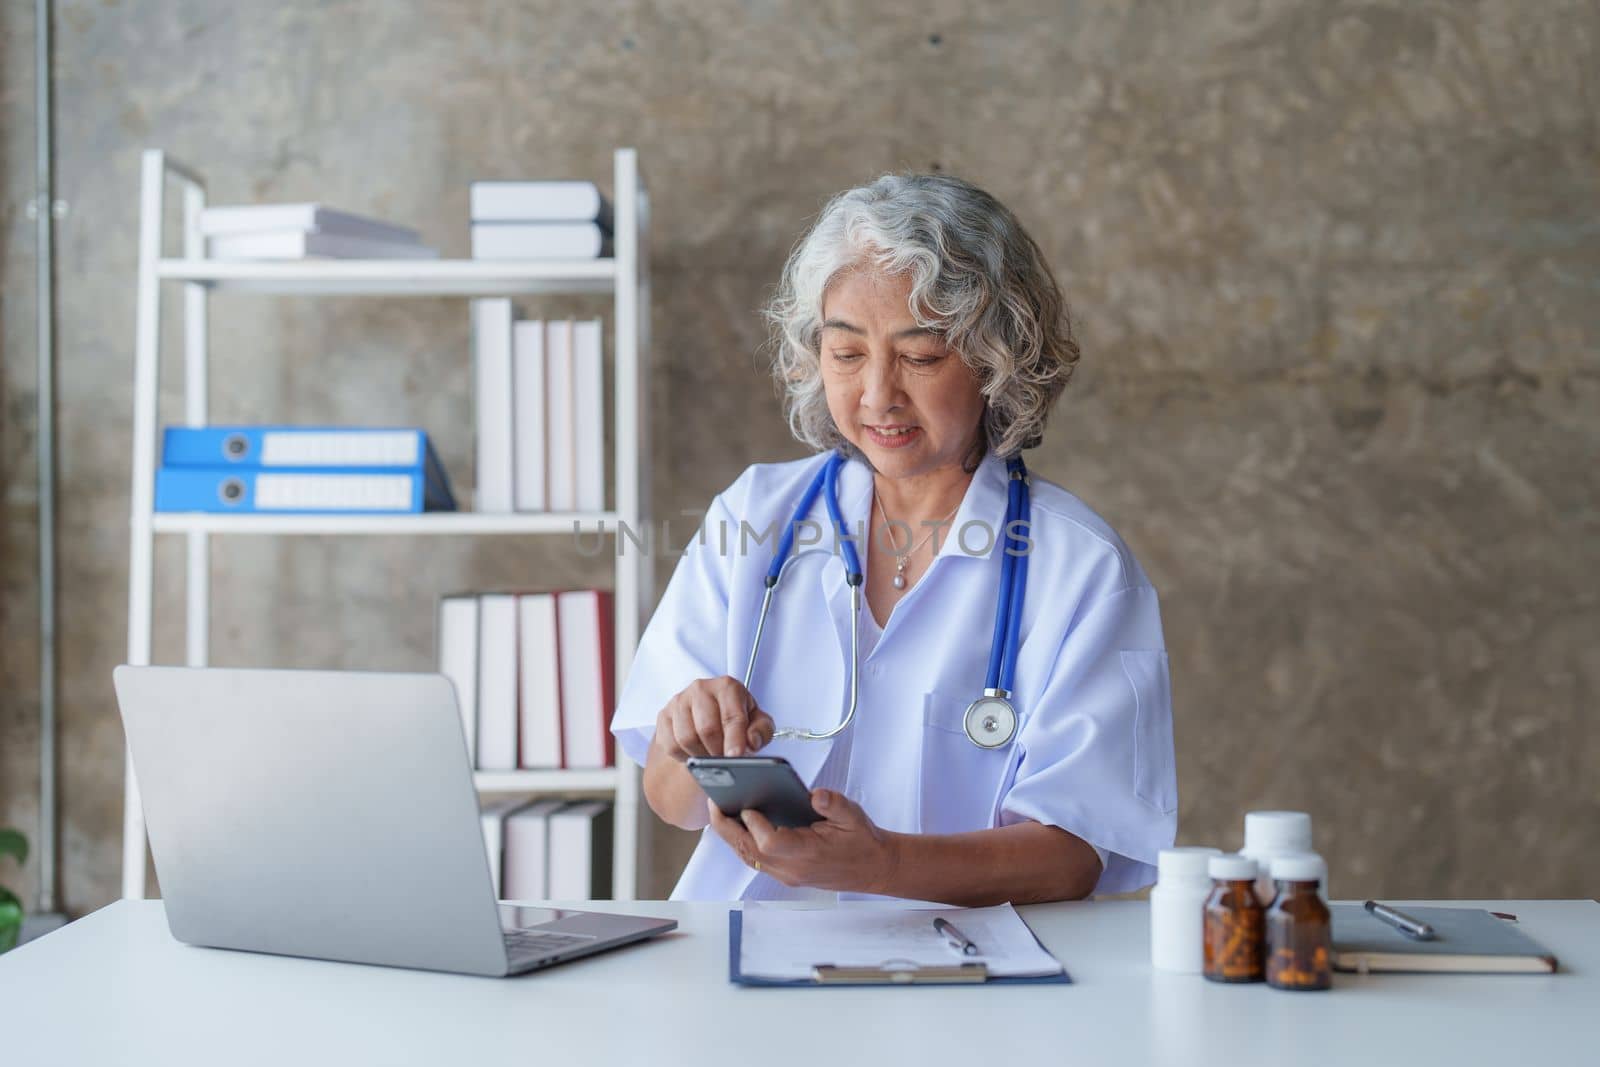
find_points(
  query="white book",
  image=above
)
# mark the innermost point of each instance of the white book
(544, 201)
(493, 817)
(528, 383)
(458, 660)
(539, 669)
(589, 415)
(580, 851)
(584, 620)
(525, 865)
(560, 401)
(497, 682)
(491, 349)
(539, 240)
(306, 218)
(294, 244)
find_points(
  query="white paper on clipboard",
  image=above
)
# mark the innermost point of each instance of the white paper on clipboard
(786, 943)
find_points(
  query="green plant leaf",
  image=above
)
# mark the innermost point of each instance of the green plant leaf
(12, 843)
(10, 919)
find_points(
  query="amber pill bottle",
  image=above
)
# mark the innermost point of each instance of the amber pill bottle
(1235, 923)
(1299, 927)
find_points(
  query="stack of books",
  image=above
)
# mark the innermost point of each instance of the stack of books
(533, 677)
(305, 231)
(539, 220)
(549, 849)
(539, 389)
(305, 470)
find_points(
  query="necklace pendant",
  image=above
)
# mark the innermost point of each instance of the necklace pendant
(899, 581)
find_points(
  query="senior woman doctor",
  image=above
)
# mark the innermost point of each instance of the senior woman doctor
(919, 333)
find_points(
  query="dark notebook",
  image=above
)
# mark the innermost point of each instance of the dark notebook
(1465, 940)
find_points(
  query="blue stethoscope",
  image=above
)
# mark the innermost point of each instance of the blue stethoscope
(991, 720)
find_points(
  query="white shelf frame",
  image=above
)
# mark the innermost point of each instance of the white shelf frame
(436, 522)
(626, 276)
(398, 277)
(605, 780)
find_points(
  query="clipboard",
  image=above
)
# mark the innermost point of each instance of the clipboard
(888, 973)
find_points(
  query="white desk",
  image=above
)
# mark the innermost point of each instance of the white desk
(114, 988)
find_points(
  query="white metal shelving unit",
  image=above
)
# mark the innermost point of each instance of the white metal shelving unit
(626, 276)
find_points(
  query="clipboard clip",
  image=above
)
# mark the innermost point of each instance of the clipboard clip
(899, 972)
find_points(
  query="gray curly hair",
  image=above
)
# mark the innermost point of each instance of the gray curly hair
(976, 277)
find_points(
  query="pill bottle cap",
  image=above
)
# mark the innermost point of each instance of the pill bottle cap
(1232, 868)
(1299, 867)
(1277, 831)
(1184, 864)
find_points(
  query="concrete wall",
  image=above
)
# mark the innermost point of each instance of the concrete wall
(1337, 273)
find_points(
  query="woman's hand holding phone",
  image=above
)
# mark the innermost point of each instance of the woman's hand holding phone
(843, 850)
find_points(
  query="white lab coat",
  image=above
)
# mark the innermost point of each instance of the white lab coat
(1093, 751)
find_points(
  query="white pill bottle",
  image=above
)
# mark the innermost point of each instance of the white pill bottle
(1177, 909)
(1276, 833)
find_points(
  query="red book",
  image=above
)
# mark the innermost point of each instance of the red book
(584, 623)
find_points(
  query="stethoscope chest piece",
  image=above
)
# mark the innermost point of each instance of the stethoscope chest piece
(991, 721)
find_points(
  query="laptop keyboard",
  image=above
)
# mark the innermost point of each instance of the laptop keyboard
(535, 944)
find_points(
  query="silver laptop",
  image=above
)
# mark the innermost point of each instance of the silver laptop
(331, 814)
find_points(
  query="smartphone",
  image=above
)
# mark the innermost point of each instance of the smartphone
(764, 783)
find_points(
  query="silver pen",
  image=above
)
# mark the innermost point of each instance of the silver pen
(1412, 928)
(958, 940)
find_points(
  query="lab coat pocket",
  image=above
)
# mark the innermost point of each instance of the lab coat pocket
(961, 784)
(1155, 779)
